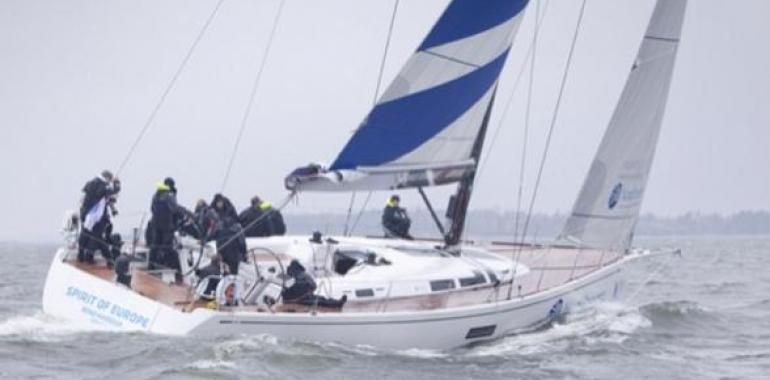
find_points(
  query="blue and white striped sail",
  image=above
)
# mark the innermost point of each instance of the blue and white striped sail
(607, 208)
(423, 128)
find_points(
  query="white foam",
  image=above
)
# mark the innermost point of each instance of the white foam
(211, 364)
(682, 307)
(603, 323)
(359, 349)
(422, 354)
(42, 327)
(247, 343)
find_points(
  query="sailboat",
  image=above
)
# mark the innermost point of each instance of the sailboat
(427, 129)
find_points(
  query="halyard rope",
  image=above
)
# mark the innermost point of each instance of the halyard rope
(553, 121)
(348, 232)
(252, 95)
(547, 143)
(169, 87)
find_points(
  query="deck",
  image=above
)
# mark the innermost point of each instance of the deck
(549, 267)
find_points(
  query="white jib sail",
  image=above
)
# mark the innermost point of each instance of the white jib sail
(607, 208)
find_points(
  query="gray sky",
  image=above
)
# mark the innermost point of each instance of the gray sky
(79, 78)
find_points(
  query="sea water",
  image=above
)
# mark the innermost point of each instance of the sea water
(704, 315)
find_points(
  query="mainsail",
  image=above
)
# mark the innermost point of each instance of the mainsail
(423, 128)
(606, 211)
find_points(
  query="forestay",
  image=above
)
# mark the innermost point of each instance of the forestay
(607, 208)
(423, 128)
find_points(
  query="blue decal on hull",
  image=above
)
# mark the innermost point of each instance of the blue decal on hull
(105, 311)
(556, 309)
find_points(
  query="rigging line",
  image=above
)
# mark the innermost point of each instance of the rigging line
(650, 277)
(553, 121)
(374, 103)
(253, 95)
(361, 212)
(170, 86)
(548, 142)
(282, 205)
(643, 285)
(350, 211)
(509, 101)
(522, 167)
(385, 52)
(527, 122)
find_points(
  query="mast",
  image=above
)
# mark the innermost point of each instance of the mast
(457, 209)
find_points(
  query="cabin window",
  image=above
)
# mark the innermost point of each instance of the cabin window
(477, 279)
(360, 293)
(439, 285)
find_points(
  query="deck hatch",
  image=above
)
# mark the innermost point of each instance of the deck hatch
(480, 332)
(439, 285)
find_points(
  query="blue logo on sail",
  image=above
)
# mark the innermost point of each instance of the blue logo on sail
(617, 191)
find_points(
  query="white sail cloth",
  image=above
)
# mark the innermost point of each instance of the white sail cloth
(607, 208)
(423, 128)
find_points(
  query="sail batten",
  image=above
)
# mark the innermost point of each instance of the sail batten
(608, 205)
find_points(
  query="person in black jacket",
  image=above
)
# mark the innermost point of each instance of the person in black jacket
(275, 224)
(231, 244)
(252, 219)
(201, 223)
(99, 196)
(395, 220)
(261, 219)
(161, 229)
(302, 291)
(224, 208)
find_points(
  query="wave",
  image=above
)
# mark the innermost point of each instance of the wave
(423, 353)
(674, 310)
(207, 364)
(762, 356)
(247, 343)
(724, 286)
(41, 327)
(609, 323)
(762, 304)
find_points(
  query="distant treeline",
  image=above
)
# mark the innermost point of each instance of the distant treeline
(501, 225)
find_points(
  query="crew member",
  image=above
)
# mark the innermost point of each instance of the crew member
(231, 244)
(213, 271)
(162, 226)
(261, 219)
(121, 260)
(302, 291)
(206, 220)
(395, 220)
(224, 208)
(98, 201)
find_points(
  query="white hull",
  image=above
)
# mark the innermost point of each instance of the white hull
(76, 295)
